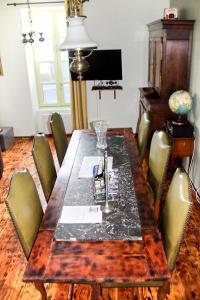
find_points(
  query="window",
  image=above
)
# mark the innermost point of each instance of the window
(51, 65)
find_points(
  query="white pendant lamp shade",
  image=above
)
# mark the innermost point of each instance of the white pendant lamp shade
(77, 37)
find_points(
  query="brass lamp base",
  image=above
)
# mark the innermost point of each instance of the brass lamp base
(107, 208)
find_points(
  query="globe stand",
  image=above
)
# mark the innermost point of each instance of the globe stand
(178, 131)
(181, 120)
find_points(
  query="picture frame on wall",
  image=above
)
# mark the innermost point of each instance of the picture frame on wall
(1, 68)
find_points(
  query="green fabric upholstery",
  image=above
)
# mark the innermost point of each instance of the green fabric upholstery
(175, 214)
(44, 163)
(25, 208)
(143, 134)
(158, 161)
(59, 135)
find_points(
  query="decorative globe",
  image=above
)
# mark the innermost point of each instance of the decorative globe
(180, 102)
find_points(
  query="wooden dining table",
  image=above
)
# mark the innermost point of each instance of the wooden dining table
(108, 262)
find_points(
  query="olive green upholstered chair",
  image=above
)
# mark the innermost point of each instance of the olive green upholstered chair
(25, 208)
(44, 163)
(26, 212)
(175, 214)
(158, 162)
(143, 134)
(59, 135)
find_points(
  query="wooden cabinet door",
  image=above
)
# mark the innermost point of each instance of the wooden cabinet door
(158, 64)
(151, 75)
(155, 63)
(176, 69)
(170, 48)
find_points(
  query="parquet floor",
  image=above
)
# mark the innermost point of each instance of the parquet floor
(185, 282)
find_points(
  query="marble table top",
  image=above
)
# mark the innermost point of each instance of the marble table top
(123, 223)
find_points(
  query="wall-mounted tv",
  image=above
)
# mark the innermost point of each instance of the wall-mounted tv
(104, 65)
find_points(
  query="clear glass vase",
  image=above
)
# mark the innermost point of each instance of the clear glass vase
(101, 127)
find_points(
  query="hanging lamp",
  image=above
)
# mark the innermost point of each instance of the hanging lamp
(77, 39)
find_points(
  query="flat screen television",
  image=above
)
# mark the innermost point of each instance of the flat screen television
(104, 65)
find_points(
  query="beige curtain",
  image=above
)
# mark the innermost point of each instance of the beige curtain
(78, 95)
(1, 68)
(79, 104)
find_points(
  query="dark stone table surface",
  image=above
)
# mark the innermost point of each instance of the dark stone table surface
(123, 223)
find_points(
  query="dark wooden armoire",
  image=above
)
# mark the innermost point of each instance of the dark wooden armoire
(170, 48)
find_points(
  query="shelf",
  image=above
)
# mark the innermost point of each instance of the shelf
(101, 88)
(107, 88)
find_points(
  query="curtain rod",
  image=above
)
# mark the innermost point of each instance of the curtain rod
(31, 3)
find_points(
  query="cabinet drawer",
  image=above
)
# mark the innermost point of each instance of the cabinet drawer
(182, 147)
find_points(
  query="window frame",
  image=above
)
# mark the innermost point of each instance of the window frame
(56, 13)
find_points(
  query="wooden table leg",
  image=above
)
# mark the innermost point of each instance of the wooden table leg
(97, 293)
(164, 290)
(116, 293)
(40, 287)
(104, 293)
(70, 291)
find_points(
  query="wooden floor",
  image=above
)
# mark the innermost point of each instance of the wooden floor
(185, 282)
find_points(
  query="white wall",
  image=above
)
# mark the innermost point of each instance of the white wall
(113, 24)
(15, 101)
(122, 25)
(191, 10)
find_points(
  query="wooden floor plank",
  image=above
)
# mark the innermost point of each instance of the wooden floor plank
(185, 281)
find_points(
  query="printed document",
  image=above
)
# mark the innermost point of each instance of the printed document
(81, 214)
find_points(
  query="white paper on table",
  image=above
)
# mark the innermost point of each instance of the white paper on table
(81, 214)
(86, 170)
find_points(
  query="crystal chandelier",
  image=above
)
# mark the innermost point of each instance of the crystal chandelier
(29, 37)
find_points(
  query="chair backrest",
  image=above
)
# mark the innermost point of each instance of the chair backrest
(143, 134)
(44, 163)
(59, 135)
(25, 208)
(175, 215)
(158, 161)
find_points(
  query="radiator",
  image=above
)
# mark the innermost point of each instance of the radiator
(43, 118)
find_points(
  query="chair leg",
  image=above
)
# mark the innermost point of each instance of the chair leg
(40, 287)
